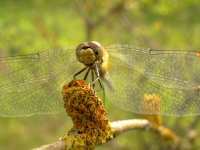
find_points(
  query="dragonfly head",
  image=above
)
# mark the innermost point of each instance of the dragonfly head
(89, 52)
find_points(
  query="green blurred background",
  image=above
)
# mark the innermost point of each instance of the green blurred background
(34, 25)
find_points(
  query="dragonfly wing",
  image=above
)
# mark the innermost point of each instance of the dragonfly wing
(31, 84)
(171, 68)
(174, 69)
(132, 83)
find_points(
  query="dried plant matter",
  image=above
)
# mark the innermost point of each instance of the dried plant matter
(90, 121)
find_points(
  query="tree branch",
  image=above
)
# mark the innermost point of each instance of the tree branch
(118, 127)
(59, 145)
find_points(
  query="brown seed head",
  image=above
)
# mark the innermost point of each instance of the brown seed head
(87, 111)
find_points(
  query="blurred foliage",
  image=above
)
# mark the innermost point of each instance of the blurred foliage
(35, 25)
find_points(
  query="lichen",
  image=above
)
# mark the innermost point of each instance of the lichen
(90, 122)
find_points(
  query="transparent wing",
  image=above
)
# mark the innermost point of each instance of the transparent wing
(31, 84)
(173, 75)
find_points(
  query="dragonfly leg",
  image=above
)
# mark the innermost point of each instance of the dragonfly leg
(99, 81)
(96, 71)
(79, 72)
(92, 73)
(86, 75)
(102, 87)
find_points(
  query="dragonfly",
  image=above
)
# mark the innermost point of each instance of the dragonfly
(31, 84)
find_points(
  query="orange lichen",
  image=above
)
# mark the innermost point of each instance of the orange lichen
(90, 122)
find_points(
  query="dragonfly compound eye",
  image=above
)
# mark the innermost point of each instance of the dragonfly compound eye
(89, 52)
(85, 54)
(97, 48)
